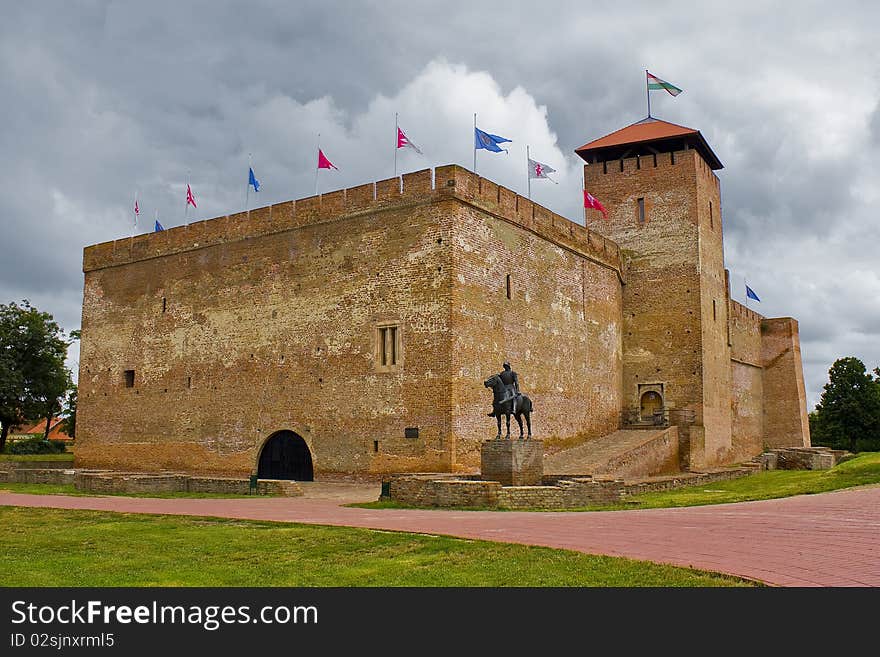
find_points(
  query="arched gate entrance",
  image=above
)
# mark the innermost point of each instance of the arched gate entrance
(285, 456)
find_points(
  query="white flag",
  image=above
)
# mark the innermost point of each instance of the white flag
(540, 170)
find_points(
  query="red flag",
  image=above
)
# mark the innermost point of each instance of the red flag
(591, 202)
(190, 199)
(323, 162)
(136, 211)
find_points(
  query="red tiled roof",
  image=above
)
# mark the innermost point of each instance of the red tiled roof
(648, 130)
(643, 130)
(55, 433)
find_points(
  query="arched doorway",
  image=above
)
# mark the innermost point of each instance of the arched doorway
(651, 403)
(285, 456)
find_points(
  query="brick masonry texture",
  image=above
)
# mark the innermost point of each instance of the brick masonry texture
(241, 326)
(512, 462)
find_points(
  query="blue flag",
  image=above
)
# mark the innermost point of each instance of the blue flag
(750, 294)
(252, 180)
(158, 227)
(487, 141)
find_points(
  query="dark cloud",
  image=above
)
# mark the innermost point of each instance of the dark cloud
(102, 98)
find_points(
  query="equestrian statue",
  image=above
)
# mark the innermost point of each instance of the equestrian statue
(507, 400)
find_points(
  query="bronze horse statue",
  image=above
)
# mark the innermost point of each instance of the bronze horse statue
(502, 406)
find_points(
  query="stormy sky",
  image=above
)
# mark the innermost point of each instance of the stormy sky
(102, 100)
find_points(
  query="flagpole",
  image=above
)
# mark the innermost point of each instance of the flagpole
(247, 187)
(475, 142)
(396, 142)
(157, 221)
(528, 172)
(316, 165)
(648, 93)
(135, 212)
(186, 206)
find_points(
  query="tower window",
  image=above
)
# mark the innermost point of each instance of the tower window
(714, 314)
(711, 218)
(641, 203)
(164, 304)
(129, 378)
(388, 346)
(509, 295)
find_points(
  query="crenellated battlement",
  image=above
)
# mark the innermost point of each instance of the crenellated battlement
(739, 310)
(417, 188)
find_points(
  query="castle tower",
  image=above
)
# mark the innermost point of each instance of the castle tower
(658, 183)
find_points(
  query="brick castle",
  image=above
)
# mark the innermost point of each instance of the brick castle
(351, 332)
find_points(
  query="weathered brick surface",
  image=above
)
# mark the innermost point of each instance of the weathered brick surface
(270, 323)
(40, 476)
(785, 405)
(137, 482)
(512, 462)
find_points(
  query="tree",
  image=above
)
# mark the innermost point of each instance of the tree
(69, 413)
(849, 409)
(33, 377)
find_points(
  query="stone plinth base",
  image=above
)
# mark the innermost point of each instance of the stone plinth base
(512, 462)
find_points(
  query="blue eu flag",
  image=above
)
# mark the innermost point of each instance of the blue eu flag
(750, 293)
(487, 141)
(252, 180)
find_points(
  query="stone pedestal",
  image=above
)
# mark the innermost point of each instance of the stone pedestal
(512, 462)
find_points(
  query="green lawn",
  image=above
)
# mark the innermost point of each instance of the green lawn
(45, 547)
(860, 471)
(68, 489)
(67, 456)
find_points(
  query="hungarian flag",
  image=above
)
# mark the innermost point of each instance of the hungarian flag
(190, 199)
(403, 142)
(540, 170)
(655, 84)
(323, 162)
(591, 202)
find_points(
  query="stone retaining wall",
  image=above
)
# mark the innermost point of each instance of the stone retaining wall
(36, 465)
(555, 492)
(37, 476)
(136, 482)
(802, 458)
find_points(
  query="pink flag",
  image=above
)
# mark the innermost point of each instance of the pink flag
(403, 141)
(190, 199)
(591, 202)
(323, 162)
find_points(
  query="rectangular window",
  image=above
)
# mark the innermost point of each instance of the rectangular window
(508, 287)
(641, 203)
(711, 218)
(714, 315)
(388, 346)
(129, 378)
(164, 304)
(375, 445)
(189, 382)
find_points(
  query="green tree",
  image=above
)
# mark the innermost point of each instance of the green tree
(69, 413)
(33, 377)
(849, 410)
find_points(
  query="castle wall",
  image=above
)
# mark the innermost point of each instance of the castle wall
(747, 382)
(241, 326)
(560, 326)
(785, 400)
(272, 331)
(714, 308)
(662, 333)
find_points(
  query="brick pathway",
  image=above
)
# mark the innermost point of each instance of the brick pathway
(832, 539)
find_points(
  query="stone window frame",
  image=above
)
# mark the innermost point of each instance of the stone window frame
(380, 332)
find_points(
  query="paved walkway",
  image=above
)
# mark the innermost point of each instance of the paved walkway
(832, 539)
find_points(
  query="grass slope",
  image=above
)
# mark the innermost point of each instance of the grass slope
(45, 547)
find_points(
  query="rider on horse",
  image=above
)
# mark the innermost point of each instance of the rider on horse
(511, 387)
